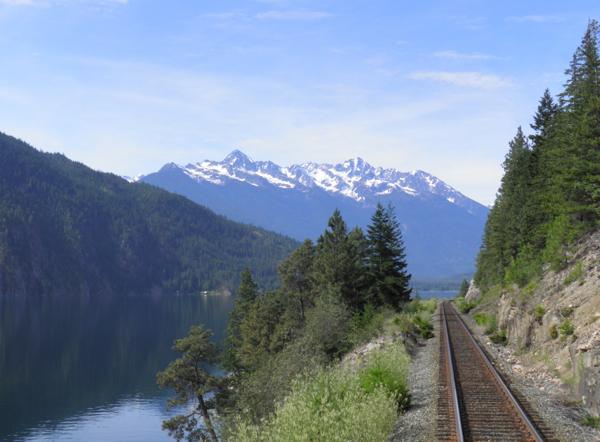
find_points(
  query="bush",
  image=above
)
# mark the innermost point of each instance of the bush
(499, 338)
(553, 331)
(336, 404)
(464, 306)
(539, 312)
(566, 329)
(387, 369)
(425, 326)
(492, 326)
(566, 312)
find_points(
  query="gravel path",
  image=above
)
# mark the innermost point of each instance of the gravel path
(418, 424)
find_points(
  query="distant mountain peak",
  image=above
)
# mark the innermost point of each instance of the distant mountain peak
(238, 159)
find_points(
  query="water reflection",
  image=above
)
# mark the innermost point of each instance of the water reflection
(64, 358)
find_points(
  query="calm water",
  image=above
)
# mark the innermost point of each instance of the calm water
(446, 295)
(85, 369)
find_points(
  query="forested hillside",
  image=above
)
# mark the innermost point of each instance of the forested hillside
(66, 229)
(550, 192)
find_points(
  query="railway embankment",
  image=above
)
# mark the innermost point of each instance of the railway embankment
(552, 332)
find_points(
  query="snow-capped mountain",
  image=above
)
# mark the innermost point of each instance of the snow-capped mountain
(441, 227)
(354, 178)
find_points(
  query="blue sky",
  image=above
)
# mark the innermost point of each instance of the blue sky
(126, 86)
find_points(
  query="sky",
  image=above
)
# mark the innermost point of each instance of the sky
(126, 86)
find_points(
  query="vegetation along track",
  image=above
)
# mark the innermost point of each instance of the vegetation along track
(475, 403)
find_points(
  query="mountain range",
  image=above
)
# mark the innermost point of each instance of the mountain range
(441, 227)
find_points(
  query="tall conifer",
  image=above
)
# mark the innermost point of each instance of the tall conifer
(386, 259)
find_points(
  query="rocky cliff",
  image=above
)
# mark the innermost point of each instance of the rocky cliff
(552, 324)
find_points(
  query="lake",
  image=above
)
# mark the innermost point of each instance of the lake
(444, 295)
(84, 369)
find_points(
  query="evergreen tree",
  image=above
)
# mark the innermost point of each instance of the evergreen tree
(296, 275)
(339, 260)
(543, 119)
(386, 264)
(191, 381)
(504, 234)
(576, 157)
(464, 288)
(246, 296)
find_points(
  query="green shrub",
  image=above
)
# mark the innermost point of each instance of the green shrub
(499, 338)
(492, 326)
(528, 291)
(574, 274)
(403, 323)
(425, 326)
(566, 329)
(336, 404)
(481, 318)
(566, 312)
(464, 306)
(539, 312)
(553, 331)
(488, 320)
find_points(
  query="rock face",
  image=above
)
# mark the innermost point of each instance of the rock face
(473, 294)
(554, 322)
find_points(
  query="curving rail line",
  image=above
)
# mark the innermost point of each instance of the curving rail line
(474, 403)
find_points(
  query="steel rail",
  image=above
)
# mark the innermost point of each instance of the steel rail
(519, 409)
(454, 391)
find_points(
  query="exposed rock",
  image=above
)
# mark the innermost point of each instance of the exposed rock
(473, 294)
(589, 389)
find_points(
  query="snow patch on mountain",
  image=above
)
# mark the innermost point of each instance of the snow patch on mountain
(354, 178)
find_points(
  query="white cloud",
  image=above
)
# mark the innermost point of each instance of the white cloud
(18, 2)
(464, 79)
(224, 15)
(537, 18)
(456, 56)
(293, 15)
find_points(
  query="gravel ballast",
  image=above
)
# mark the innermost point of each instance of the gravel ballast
(418, 424)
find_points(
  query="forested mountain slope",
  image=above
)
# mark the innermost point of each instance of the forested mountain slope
(67, 229)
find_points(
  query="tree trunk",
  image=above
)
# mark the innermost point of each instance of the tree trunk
(206, 418)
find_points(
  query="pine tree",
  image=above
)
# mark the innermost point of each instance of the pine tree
(191, 381)
(297, 278)
(386, 259)
(543, 119)
(504, 234)
(339, 261)
(246, 296)
(576, 157)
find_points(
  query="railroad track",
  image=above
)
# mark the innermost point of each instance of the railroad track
(475, 402)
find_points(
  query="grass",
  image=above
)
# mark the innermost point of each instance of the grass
(591, 421)
(575, 274)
